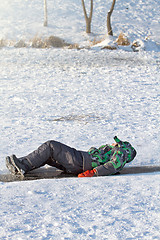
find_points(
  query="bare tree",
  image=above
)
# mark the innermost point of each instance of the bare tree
(109, 28)
(88, 19)
(45, 14)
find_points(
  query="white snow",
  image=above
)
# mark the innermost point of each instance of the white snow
(98, 94)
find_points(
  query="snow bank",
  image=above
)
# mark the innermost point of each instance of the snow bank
(23, 20)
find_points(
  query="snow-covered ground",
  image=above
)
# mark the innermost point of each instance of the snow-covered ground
(96, 94)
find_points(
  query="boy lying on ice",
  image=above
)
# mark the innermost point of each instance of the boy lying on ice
(106, 160)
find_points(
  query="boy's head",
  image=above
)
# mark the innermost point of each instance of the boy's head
(131, 152)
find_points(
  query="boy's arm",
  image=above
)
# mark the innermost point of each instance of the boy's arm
(106, 169)
(111, 167)
(102, 170)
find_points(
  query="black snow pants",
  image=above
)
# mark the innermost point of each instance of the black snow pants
(58, 155)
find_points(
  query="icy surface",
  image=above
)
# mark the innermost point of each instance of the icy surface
(81, 98)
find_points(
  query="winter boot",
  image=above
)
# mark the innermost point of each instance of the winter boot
(15, 166)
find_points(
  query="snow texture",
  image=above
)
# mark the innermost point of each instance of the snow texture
(82, 98)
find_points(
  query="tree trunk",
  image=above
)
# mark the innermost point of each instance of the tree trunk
(45, 14)
(88, 19)
(109, 28)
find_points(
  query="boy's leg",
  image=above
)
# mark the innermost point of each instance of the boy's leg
(58, 155)
(43, 155)
(52, 153)
(36, 159)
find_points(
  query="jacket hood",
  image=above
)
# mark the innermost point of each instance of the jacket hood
(128, 148)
